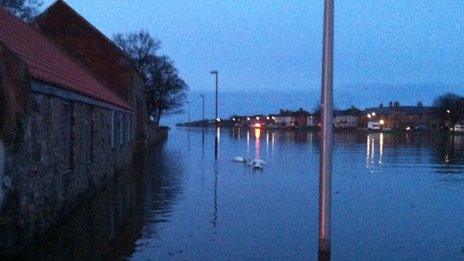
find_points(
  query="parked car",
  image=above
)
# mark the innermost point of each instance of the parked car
(373, 125)
(458, 128)
(421, 127)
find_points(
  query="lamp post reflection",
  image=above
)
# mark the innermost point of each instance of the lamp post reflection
(217, 140)
(203, 142)
(215, 203)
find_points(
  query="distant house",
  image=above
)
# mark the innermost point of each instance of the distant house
(301, 118)
(284, 119)
(398, 117)
(347, 119)
(297, 119)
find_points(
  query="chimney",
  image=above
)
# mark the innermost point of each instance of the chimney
(391, 104)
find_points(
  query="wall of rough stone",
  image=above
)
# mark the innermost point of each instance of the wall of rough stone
(64, 154)
(2, 170)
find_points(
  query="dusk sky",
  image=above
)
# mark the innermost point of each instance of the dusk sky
(276, 44)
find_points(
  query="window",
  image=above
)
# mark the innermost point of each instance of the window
(113, 128)
(120, 127)
(67, 134)
(89, 135)
(124, 129)
(130, 130)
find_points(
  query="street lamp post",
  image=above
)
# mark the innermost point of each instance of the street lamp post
(216, 73)
(203, 100)
(216, 120)
(325, 171)
(188, 111)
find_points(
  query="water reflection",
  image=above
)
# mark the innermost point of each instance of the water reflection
(187, 204)
(108, 226)
(257, 143)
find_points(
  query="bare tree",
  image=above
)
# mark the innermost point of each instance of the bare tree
(141, 48)
(24, 9)
(165, 89)
(451, 106)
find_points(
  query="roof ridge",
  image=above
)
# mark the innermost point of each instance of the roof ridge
(91, 26)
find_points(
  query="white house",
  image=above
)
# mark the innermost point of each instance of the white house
(283, 120)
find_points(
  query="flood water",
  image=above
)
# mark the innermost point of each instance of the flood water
(395, 196)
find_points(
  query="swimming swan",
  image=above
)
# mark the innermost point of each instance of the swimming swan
(239, 159)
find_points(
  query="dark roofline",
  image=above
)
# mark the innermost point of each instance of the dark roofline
(92, 27)
(401, 107)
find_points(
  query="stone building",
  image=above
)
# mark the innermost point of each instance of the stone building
(85, 43)
(67, 128)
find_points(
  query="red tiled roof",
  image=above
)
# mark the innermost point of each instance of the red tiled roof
(47, 63)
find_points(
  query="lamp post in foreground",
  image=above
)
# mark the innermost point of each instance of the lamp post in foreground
(325, 166)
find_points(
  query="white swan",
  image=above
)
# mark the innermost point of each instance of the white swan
(257, 166)
(257, 162)
(239, 159)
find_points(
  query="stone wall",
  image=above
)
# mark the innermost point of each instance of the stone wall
(66, 150)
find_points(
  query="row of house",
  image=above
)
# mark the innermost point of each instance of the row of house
(73, 113)
(284, 119)
(392, 117)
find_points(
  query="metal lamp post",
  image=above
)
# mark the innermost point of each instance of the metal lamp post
(325, 170)
(216, 120)
(216, 73)
(188, 111)
(203, 100)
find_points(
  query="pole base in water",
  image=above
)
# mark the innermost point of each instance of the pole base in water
(324, 256)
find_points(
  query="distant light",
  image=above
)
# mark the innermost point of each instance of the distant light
(408, 128)
(257, 118)
(248, 118)
(257, 125)
(267, 118)
(233, 119)
(373, 114)
(273, 117)
(448, 111)
(382, 122)
(369, 116)
(218, 120)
